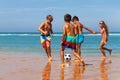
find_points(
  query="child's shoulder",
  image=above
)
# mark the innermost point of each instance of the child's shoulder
(43, 23)
(65, 25)
(68, 25)
(79, 24)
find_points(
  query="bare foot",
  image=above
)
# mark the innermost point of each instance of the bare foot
(83, 63)
(110, 52)
(104, 57)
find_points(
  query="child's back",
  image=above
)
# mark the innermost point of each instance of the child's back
(70, 29)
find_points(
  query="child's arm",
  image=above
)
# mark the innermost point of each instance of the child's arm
(105, 36)
(40, 28)
(76, 29)
(89, 29)
(64, 34)
(51, 30)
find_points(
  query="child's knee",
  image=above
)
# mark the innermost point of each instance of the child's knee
(101, 48)
(62, 49)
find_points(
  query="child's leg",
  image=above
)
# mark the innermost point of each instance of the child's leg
(49, 53)
(110, 50)
(80, 59)
(102, 49)
(79, 48)
(48, 50)
(62, 54)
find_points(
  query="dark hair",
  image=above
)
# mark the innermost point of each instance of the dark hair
(49, 17)
(67, 17)
(75, 18)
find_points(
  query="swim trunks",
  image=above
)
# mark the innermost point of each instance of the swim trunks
(45, 40)
(69, 42)
(80, 38)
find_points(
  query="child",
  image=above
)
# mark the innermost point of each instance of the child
(46, 32)
(104, 33)
(80, 36)
(68, 39)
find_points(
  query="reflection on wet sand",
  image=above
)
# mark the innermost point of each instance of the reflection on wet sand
(46, 72)
(62, 76)
(103, 69)
(62, 73)
(78, 71)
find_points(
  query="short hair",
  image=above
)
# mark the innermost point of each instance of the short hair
(49, 17)
(67, 17)
(75, 18)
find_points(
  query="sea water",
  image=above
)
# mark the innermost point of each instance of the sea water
(29, 43)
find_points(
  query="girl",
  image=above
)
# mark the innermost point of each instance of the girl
(104, 33)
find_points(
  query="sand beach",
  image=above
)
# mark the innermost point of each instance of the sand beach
(34, 67)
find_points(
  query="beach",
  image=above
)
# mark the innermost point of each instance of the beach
(33, 67)
(36, 35)
(23, 58)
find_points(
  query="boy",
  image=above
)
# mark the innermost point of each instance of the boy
(46, 32)
(68, 39)
(80, 37)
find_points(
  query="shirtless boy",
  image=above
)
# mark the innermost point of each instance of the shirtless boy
(46, 32)
(80, 37)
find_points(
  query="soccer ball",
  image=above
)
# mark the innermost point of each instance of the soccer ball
(67, 57)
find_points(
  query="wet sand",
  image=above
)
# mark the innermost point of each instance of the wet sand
(33, 67)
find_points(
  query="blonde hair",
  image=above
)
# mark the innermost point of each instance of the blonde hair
(105, 27)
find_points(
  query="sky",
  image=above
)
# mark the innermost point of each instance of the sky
(26, 15)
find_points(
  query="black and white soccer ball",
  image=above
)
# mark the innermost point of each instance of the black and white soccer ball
(67, 57)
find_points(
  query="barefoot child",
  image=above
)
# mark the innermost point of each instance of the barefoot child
(68, 39)
(46, 32)
(80, 36)
(104, 33)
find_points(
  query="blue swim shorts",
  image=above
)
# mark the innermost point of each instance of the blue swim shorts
(80, 38)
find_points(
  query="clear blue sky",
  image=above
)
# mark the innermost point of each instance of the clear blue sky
(26, 15)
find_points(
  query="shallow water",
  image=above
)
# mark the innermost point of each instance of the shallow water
(24, 43)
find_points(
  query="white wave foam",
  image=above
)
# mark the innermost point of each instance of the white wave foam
(54, 34)
(19, 34)
(100, 34)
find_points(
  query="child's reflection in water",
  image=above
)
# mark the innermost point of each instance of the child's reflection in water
(46, 72)
(78, 71)
(103, 69)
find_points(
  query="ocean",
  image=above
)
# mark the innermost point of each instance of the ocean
(29, 43)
